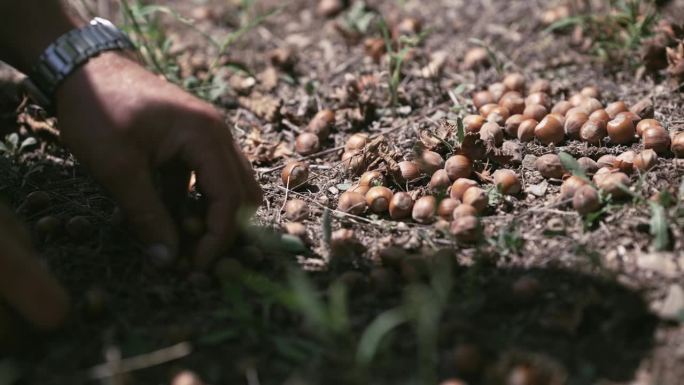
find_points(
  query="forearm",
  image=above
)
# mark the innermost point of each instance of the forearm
(27, 27)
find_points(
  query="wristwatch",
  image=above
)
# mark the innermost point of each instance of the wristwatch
(70, 51)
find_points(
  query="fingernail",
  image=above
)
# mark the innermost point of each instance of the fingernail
(160, 255)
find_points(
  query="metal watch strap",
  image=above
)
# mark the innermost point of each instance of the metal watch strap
(71, 50)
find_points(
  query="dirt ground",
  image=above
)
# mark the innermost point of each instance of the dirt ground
(607, 310)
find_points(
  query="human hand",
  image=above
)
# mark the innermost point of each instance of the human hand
(24, 282)
(124, 123)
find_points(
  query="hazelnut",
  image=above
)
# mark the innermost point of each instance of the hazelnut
(588, 165)
(586, 200)
(37, 201)
(498, 90)
(525, 289)
(446, 207)
(482, 98)
(606, 161)
(540, 85)
(372, 178)
(600, 115)
(48, 225)
(330, 8)
(621, 130)
(476, 197)
(460, 186)
(79, 227)
(295, 228)
(307, 144)
(613, 183)
(535, 111)
(508, 181)
(458, 166)
(515, 82)
(409, 170)
(321, 123)
(645, 160)
(401, 205)
(424, 209)
(574, 122)
(295, 174)
(352, 203)
(473, 123)
(625, 161)
(645, 124)
(492, 133)
(378, 199)
(602, 172)
(356, 142)
(657, 139)
(591, 92)
(359, 188)
(590, 105)
(354, 161)
(475, 58)
(570, 185)
(513, 102)
(430, 161)
(593, 132)
(558, 117)
(498, 115)
(407, 27)
(540, 98)
(562, 107)
(440, 180)
(577, 99)
(526, 130)
(615, 108)
(678, 145)
(629, 115)
(463, 210)
(296, 210)
(512, 124)
(549, 131)
(549, 166)
(465, 228)
(487, 108)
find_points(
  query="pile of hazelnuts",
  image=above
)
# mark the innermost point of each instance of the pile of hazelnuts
(504, 111)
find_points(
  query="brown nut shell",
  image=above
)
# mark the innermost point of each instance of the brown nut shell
(508, 181)
(621, 129)
(401, 205)
(549, 166)
(378, 199)
(526, 130)
(424, 209)
(295, 174)
(352, 203)
(458, 166)
(476, 197)
(549, 131)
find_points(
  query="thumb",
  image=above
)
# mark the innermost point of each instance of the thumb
(134, 190)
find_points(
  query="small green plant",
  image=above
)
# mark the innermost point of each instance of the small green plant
(12, 147)
(509, 241)
(397, 52)
(143, 25)
(617, 33)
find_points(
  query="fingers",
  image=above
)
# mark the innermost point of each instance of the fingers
(28, 287)
(226, 180)
(132, 186)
